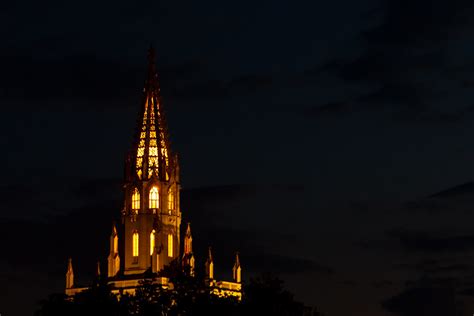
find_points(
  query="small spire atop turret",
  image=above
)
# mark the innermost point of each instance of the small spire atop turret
(188, 229)
(237, 270)
(188, 257)
(210, 255)
(188, 241)
(69, 275)
(210, 265)
(114, 229)
(113, 260)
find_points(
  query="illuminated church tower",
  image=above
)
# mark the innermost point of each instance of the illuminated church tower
(151, 215)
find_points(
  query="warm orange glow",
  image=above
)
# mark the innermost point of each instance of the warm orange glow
(135, 199)
(170, 245)
(135, 244)
(170, 200)
(154, 198)
(141, 146)
(115, 244)
(152, 241)
(152, 147)
(238, 278)
(211, 270)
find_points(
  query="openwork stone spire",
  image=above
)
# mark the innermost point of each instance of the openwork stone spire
(152, 146)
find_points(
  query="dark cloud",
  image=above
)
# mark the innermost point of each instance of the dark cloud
(349, 283)
(420, 23)
(397, 93)
(236, 86)
(424, 300)
(254, 254)
(25, 79)
(383, 284)
(331, 108)
(207, 209)
(452, 200)
(420, 241)
(435, 267)
(90, 80)
(465, 189)
(98, 189)
(407, 60)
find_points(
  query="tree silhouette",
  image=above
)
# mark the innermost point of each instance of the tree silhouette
(189, 296)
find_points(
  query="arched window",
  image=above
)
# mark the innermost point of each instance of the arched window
(135, 199)
(135, 244)
(152, 241)
(170, 245)
(170, 200)
(154, 198)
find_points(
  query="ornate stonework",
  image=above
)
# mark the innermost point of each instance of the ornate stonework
(151, 214)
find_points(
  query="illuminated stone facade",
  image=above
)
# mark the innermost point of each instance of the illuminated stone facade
(151, 214)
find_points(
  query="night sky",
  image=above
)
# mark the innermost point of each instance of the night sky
(331, 143)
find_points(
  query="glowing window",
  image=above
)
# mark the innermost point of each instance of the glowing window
(135, 199)
(152, 241)
(135, 244)
(170, 200)
(153, 151)
(170, 245)
(153, 161)
(154, 197)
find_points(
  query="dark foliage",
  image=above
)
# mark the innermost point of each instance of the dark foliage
(189, 296)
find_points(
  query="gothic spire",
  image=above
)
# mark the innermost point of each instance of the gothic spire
(152, 146)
